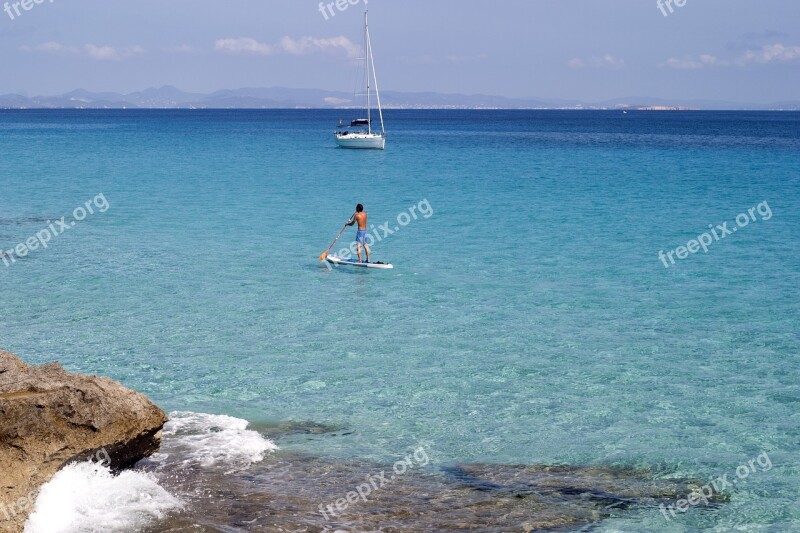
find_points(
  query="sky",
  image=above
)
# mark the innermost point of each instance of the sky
(587, 50)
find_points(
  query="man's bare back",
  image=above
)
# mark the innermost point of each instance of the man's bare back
(361, 218)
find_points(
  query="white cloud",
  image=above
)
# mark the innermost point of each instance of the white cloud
(243, 45)
(609, 61)
(109, 53)
(606, 61)
(708, 59)
(288, 45)
(51, 47)
(771, 53)
(690, 62)
(307, 45)
(102, 53)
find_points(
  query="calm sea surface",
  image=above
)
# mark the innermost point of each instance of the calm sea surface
(528, 320)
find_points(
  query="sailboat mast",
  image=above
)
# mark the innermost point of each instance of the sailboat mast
(375, 79)
(367, 52)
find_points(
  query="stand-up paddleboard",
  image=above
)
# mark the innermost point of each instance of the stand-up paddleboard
(332, 259)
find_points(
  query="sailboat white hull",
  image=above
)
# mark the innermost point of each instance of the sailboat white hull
(361, 133)
(364, 141)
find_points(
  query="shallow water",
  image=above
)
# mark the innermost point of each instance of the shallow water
(214, 474)
(528, 320)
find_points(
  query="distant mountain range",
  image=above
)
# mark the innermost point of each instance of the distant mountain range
(168, 97)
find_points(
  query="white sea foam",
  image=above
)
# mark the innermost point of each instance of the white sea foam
(210, 440)
(86, 497)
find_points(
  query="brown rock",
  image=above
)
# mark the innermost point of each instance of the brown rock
(49, 418)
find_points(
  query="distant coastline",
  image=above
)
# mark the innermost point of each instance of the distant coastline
(168, 97)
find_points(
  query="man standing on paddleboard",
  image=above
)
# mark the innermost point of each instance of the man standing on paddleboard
(361, 237)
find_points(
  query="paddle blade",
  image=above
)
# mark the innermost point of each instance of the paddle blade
(323, 256)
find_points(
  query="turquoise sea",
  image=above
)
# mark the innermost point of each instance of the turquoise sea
(528, 320)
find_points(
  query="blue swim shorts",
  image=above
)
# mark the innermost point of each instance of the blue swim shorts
(361, 236)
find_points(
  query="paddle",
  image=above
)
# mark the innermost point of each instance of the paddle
(325, 253)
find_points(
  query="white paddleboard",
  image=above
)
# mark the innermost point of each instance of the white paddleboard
(332, 259)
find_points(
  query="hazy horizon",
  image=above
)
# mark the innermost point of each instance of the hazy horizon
(589, 51)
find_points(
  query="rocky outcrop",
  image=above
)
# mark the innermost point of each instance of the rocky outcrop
(50, 417)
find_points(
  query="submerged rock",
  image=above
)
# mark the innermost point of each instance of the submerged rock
(297, 492)
(610, 486)
(50, 417)
(285, 429)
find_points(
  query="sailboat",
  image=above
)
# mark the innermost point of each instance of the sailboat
(360, 134)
